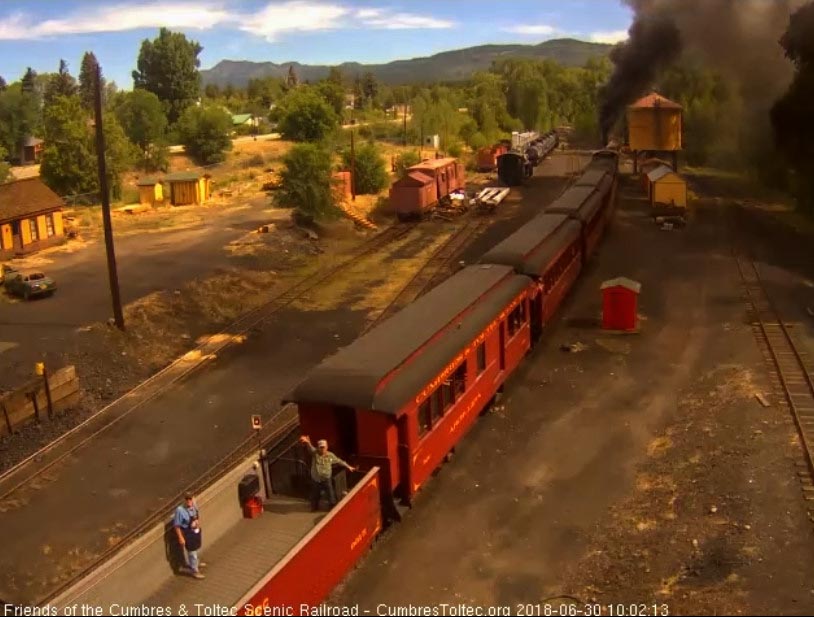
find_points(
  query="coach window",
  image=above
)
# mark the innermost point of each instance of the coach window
(424, 418)
(481, 357)
(516, 319)
(459, 381)
(437, 404)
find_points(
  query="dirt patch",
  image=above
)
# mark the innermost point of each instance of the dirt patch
(690, 536)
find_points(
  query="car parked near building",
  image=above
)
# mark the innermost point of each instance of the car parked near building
(28, 285)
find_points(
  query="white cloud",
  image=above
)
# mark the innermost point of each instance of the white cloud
(297, 16)
(379, 19)
(275, 19)
(532, 29)
(117, 18)
(615, 36)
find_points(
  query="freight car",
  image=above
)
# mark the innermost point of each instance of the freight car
(487, 157)
(425, 185)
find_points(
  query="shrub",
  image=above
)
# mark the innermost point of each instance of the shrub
(370, 173)
(255, 160)
(205, 133)
(306, 183)
(405, 160)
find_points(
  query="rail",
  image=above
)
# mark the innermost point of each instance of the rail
(58, 450)
(430, 273)
(791, 369)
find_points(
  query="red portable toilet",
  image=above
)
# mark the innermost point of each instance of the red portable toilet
(620, 299)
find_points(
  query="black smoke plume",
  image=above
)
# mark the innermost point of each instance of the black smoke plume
(654, 43)
(737, 38)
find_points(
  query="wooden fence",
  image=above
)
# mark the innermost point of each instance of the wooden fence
(34, 402)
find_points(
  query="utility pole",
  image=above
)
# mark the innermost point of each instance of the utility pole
(352, 163)
(405, 121)
(113, 275)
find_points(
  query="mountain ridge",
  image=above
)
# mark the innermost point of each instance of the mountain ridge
(452, 65)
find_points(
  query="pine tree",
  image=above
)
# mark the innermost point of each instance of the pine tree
(292, 81)
(87, 79)
(60, 84)
(29, 83)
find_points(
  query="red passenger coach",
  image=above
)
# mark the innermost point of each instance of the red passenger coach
(404, 394)
(547, 249)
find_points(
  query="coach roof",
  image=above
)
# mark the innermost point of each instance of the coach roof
(533, 247)
(412, 347)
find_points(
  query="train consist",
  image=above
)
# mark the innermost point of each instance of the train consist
(394, 404)
(514, 166)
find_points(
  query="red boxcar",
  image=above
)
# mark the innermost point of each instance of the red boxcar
(401, 396)
(487, 157)
(425, 185)
(548, 249)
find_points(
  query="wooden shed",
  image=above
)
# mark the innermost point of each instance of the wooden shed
(30, 217)
(655, 124)
(189, 187)
(646, 167)
(150, 191)
(667, 187)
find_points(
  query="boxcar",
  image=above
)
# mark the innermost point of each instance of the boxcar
(547, 249)
(425, 185)
(402, 395)
(487, 157)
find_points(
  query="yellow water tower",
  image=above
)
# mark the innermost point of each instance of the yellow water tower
(655, 125)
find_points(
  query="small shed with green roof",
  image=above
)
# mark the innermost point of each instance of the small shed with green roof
(150, 191)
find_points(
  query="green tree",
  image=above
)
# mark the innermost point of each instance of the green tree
(335, 76)
(306, 182)
(303, 115)
(29, 81)
(19, 117)
(68, 161)
(334, 95)
(3, 84)
(370, 174)
(212, 91)
(205, 133)
(61, 83)
(141, 115)
(291, 80)
(87, 80)
(168, 67)
(5, 168)
(69, 164)
(370, 89)
(405, 160)
(791, 114)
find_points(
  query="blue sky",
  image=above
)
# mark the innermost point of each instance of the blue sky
(38, 33)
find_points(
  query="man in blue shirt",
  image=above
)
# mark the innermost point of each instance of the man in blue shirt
(188, 529)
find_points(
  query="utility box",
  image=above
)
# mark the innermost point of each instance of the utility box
(432, 141)
(620, 304)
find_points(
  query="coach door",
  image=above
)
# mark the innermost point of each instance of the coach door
(502, 345)
(536, 317)
(346, 430)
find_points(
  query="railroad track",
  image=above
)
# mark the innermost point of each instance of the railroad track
(792, 367)
(432, 271)
(46, 458)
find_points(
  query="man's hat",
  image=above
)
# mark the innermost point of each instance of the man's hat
(187, 495)
(322, 443)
